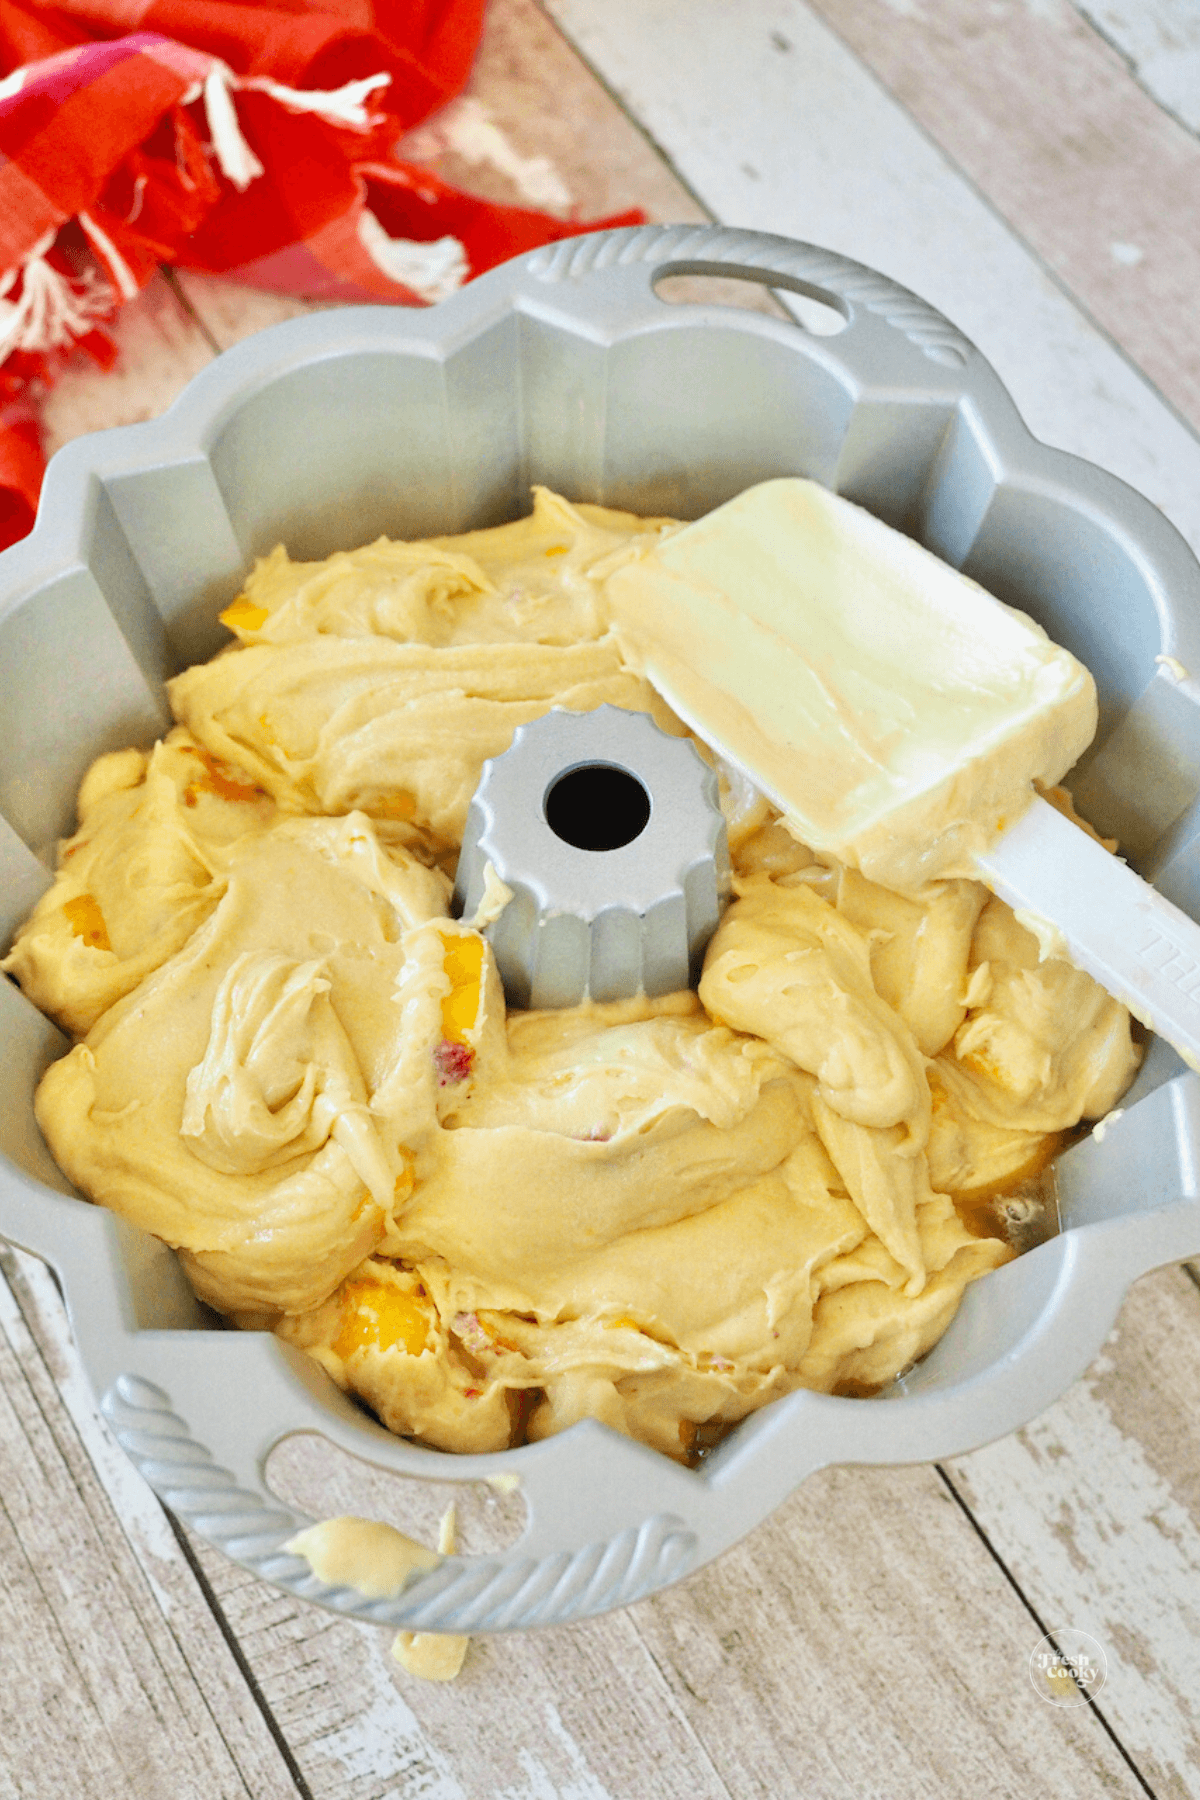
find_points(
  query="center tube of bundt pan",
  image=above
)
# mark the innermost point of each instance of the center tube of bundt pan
(608, 834)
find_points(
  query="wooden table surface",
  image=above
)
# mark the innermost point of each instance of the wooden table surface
(1033, 168)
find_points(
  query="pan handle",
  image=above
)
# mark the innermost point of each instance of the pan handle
(628, 263)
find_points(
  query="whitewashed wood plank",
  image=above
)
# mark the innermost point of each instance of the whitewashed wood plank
(1161, 39)
(1095, 1509)
(861, 1642)
(115, 1679)
(1045, 117)
(775, 124)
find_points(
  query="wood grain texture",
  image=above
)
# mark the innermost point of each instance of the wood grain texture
(114, 1676)
(1047, 120)
(1160, 41)
(860, 1641)
(1095, 1509)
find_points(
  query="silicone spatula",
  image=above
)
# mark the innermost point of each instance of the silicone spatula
(899, 716)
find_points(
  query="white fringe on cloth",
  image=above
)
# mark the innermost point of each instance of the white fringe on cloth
(52, 310)
(238, 163)
(433, 270)
(110, 256)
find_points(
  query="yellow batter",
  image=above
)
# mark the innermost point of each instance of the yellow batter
(297, 1069)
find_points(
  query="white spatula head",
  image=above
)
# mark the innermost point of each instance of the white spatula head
(893, 710)
(899, 716)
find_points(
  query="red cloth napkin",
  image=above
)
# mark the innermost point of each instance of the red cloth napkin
(246, 140)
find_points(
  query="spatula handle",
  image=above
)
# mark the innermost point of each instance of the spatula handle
(1140, 948)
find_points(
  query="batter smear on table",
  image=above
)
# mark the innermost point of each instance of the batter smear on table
(296, 1068)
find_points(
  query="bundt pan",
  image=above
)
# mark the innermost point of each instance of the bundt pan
(565, 367)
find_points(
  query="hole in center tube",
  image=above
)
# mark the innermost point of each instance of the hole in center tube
(597, 807)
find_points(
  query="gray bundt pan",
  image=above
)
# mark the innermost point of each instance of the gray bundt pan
(565, 367)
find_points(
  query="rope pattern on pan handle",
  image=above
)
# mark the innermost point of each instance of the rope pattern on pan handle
(486, 1593)
(709, 249)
